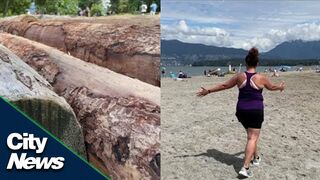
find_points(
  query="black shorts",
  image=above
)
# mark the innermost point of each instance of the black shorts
(252, 118)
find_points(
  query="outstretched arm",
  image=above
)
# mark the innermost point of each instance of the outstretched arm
(272, 87)
(226, 85)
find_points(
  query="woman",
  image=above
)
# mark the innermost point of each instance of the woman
(250, 105)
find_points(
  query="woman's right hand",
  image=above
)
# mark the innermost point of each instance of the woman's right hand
(202, 92)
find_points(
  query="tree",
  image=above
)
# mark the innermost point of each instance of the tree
(123, 6)
(88, 3)
(47, 7)
(6, 6)
(13, 7)
(67, 6)
(97, 9)
(58, 6)
(134, 5)
(16, 7)
(129, 6)
(114, 5)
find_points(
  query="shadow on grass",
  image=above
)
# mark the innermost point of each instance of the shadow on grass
(225, 158)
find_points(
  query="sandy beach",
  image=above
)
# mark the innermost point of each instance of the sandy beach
(202, 138)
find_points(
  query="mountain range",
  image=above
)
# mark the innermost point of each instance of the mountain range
(188, 53)
(297, 49)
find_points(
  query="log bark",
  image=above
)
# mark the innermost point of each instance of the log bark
(120, 115)
(32, 94)
(132, 50)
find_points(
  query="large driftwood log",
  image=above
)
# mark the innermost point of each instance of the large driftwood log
(132, 50)
(25, 88)
(120, 115)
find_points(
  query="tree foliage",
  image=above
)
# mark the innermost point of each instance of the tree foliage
(70, 7)
(97, 9)
(14, 7)
(58, 6)
(131, 6)
(88, 3)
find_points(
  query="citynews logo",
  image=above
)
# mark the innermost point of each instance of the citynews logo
(29, 142)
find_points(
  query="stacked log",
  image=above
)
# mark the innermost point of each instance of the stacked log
(120, 115)
(132, 50)
(31, 93)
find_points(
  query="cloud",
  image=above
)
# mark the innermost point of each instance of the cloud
(220, 37)
(305, 32)
(208, 35)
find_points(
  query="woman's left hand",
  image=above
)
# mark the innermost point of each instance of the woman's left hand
(203, 92)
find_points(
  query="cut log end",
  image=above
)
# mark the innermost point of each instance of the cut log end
(28, 91)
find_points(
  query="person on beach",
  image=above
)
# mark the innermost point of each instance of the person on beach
(143, 8)
(163, 71)
(181, 74)
(250, 108)
(153, 8)
(275, 74)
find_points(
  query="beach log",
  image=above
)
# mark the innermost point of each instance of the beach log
(132, 50)
(32, 94)
(120, 115)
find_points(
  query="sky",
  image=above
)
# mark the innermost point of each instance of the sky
(239, 23)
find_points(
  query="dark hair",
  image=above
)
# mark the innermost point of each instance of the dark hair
(252, 58)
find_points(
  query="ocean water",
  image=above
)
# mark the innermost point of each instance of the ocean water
(198, 70)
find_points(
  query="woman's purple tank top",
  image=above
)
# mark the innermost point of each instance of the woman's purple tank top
(249, 97)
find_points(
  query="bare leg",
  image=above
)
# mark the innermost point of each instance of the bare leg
(255, 154)
(252, 138)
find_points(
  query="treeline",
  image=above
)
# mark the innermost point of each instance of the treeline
(72, 7)
(263, 62)
(132, 6)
